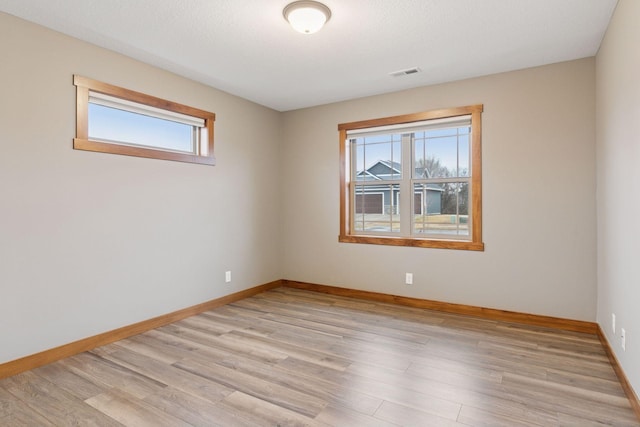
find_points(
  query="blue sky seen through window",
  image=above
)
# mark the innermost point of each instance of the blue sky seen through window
(111, 124)
(449, 145)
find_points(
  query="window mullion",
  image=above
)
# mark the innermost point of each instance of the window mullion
(406, 194)
(353, 184)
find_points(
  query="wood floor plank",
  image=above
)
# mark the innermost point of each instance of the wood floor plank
(608, 386)
(471, 393)
(15, 412)
(509, 399)
(103, 372)
(140, 344)
(131, 411)
(176, 378)
(328, 388)
(54, 404)
(299, 351)
(548, 361)
(479, 394)
(551, 387)
(457, 375)
(350, 345)
(484, 358)
(194, 410)
(225, 317)
(276, 394)
(483, 408)
(295, 357)
(482, 418)
(339, 416)
(451, 372)
(366, 323)
(566, 420)
(404, 392)
(206, 343)
(549, 399)
(267, 412)
(408, 416)
(347, 348)
(169, 335)
(206, 324)
(69, 381)
(333, 315)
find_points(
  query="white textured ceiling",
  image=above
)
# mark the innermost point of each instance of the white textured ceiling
(245, 47)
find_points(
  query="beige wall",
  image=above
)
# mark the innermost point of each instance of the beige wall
(539, 197)
(618, 151)
(90, 242)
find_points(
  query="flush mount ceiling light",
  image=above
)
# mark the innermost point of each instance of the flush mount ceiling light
(306, 17)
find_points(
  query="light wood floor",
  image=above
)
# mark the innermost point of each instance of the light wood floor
(292, 357)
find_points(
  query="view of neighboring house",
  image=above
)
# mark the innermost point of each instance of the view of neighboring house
(384, 198)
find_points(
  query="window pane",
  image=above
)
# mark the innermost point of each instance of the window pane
(111, 124)
(463, 154)
(441, 209)
(435, 156)
(455, 198)
(428, 199)
(441, 155)
(378, 157)
(376, 208)
(358, 159)
(420, 169)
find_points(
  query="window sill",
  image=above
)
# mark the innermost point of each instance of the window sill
(126, 150)
(413, 242)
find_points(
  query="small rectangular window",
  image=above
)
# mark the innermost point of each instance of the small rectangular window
(119, 121)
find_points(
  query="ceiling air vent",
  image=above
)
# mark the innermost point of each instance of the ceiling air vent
(405, 72)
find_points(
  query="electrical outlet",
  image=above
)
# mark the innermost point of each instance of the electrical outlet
(623, 339)
(227, 276)
(613, 323)
(408, 278)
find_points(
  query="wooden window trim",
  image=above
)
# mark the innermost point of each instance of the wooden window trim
(82, 142)
(475, 243)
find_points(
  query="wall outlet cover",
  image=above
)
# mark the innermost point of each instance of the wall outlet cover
(408, 278)
(613, 323)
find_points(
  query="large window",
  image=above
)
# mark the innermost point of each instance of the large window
(434, 158)
(120, 121)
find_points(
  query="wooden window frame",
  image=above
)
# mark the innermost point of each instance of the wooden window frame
(474, 243)
(204, 152)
